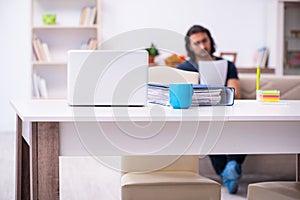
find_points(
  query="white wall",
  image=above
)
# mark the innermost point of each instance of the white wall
(236, 25)
(15, 52)
(241, 26)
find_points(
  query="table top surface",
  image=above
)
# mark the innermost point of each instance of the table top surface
(242, 110)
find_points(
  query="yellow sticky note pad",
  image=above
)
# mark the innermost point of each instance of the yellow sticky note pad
(270, 100)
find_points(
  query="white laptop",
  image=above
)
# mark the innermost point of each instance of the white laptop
(213, 72)
(107, 78)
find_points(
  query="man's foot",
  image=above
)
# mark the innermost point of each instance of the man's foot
(232, 186)
(231, 175)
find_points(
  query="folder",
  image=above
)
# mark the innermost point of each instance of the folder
(204, 95)
(218, 95)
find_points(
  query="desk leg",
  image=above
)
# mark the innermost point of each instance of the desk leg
(298, 167)
(45, 161)
(22, 191)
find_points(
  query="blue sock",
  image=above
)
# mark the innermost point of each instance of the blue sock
(231, 175)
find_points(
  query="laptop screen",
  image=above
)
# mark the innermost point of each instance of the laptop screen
(213, 72)
(107, 78)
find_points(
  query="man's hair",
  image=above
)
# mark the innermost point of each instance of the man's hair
(198, 29)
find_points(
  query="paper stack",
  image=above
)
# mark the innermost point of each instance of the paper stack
(268, 95)
(206, 96)
(159, 94)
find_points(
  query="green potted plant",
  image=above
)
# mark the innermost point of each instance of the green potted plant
(152, 51)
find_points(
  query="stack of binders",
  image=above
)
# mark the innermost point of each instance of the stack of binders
(203, 95)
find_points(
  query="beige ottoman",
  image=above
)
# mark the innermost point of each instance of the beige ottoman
(274, 191)
(168, 186)
(177, 181)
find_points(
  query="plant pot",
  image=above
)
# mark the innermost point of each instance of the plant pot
(151, 59)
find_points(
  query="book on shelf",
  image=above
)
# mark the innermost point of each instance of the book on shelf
(88, 16)
(204, 95)
(39, 86)
(90, 45)
(41, 50)
(43, 88)
(261, 57)
(92, 17)
(36, 43)
(83, 17)
(46, 51)
(35, 85)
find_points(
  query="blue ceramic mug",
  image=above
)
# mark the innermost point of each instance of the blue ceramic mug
(181, 95)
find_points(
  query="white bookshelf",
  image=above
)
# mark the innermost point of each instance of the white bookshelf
(65, 35)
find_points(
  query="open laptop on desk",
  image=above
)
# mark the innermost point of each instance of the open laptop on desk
(213, 72)
(107, 78)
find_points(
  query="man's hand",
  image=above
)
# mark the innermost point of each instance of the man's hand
(235, 83)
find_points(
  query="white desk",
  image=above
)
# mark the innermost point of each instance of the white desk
(247, 127)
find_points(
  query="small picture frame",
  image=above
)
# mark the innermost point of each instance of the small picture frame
(231, 56)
